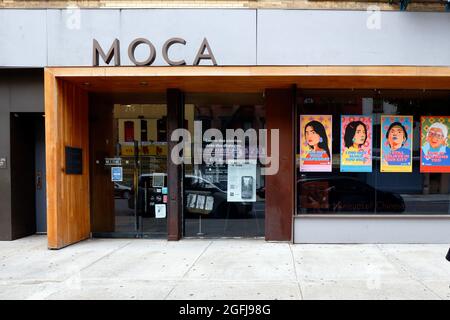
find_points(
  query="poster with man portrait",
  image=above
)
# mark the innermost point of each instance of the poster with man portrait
(356, 143)
(315, 143)
(434, 144)
(396, 143)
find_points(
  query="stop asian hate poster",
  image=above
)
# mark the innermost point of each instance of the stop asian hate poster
(435, 152)
(315, 143)
(396, 143)
(356, 143)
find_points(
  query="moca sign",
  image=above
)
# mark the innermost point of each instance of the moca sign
(203, 53)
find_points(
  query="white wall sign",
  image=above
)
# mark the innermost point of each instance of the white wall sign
(160, 211)
(241, 181)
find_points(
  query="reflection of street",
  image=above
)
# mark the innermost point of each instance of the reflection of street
(122, 208)
(251, 226)
(225, 227)
(427, 203)
(258, 210)
(126, 221)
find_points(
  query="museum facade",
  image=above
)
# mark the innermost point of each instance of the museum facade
(341, 119)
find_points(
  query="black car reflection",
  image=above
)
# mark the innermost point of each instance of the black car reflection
(121, 191)
(345, 195)
(201, 198)
(149, 194)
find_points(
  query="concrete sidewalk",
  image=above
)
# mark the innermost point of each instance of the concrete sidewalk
(221, 269)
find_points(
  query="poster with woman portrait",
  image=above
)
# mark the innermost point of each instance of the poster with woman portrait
(315, 143)
(356, 143)
(435, 152)
(396, 143)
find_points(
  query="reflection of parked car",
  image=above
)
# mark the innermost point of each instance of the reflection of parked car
(344, 194)
(201, 198)
(121, 191)
(149, 194)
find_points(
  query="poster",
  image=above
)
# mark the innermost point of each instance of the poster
(160, 211)
(241, 186)
(356, 143)
(396, 143)
(191, 200)
(200, 202)
(434, 144)
(209, 203)
(315, 143)
(116, 174)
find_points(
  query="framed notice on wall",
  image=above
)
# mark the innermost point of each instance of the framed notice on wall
(241, 186)
(74, 160)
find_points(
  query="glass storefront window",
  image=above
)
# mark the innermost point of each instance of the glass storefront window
(223, 199)
(378, 191)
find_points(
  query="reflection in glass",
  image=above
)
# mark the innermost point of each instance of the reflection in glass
(208, 210)
(374, 192)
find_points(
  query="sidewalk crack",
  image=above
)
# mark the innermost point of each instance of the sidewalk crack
(295, 272)
(189, 269)
(404, 269)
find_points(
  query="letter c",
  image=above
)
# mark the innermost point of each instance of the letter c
(165, 51)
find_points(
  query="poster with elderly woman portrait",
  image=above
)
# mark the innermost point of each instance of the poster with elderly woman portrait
(435, 152)
(315, 143)
(396, 143)
(356, 143)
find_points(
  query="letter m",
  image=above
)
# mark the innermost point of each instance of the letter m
(114, 51)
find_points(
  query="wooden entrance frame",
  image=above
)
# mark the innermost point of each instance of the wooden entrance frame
(66, 120)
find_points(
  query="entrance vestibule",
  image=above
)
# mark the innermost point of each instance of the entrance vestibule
(71, 199)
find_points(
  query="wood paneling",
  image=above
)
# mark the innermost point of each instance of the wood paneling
(280, 187)
(249, 71)
(66, 124)
(66, 104)
(254, 79)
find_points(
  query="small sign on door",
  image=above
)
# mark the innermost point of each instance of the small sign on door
(113, 161)
(160, 210)
(116, 174)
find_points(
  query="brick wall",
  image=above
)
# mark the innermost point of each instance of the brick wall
(420, 5)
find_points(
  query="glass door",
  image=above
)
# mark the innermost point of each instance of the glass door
(135, 167)
(224, 198)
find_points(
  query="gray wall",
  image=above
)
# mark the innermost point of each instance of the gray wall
(23, 38)
(237, 36)
(292, 37)
(64, 38)
(371, 229)
(20, 91)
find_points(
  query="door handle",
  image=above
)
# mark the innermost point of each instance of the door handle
(38, 180)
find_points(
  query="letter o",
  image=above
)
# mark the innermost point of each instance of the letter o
(134, 45)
